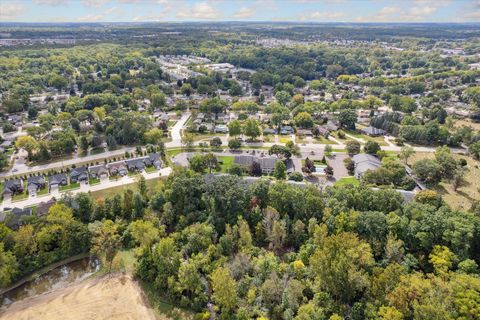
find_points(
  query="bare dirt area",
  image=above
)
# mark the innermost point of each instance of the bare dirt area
(116, 297)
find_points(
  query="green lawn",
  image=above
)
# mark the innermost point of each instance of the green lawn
(171, 123)
(150, 169)
(153, 185)
(284, 139)
(323, 140)
(227, 162)
(97, 150)
(42, 192)
(133, 173)
(93, 181)
(347, 180)
(20, 196)
(70, 186)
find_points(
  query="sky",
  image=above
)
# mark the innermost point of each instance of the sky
(240, 10)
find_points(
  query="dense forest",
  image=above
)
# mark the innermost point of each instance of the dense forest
(265, 250)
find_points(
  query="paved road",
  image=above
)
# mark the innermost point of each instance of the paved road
(21, 168)
(176, 131)
(105, 184)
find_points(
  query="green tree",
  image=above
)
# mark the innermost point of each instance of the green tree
(251, 128)
(280, 171)
(8, 266)
(353, 147)
(224, 289)
(371, 147)
(106, 242)
(405, 153)
(428, 170)
(234, 128)
(234, 144)
(304, 120)
(348, 118)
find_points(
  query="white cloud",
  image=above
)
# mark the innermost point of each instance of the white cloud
(92, 18)
(10, 11)
(199, 11)
(94, 3)
(244, 13)
(50, 2)
(321, 16)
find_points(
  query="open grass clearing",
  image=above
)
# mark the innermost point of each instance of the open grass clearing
(467, 193)
(347, 181)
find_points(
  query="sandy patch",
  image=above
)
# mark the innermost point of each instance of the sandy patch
(117, 297)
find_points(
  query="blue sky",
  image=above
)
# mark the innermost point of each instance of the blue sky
(240, 10)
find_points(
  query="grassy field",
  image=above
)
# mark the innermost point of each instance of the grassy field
(347, 180)
(465, 194)
(227, 162)
(468, 123)
(284, 139)
(152, 184)
(380, 140)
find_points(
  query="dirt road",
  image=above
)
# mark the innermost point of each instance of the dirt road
(117, 297)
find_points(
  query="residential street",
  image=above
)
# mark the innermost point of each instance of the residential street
(105, 184)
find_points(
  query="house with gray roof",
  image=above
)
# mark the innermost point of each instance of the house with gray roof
(98, 172)
(373, 132)
(153, 159)
(16, 218)
(136, 164)
(267, 164)
(12, 187)
(364, 162)
(79, 174)
(35, 183)
(57, 180)
(119, 168)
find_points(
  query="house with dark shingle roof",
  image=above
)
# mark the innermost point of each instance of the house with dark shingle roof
(56, 180)
(35, 183)
(136, 164)
(98, 172)
(79, 174)
(12, 187)
(119, 168)
(267, 164)
(16, 218)
(153, 159)
(43, 207)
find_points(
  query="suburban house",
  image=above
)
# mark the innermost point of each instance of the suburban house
(79, 174)
(117, 168)
(373, 132)
(16, 217)
(267, 164)
(136, 164)
(12, 187)
(43, 207)
(269, 131)
(323, 131)
(35, 183)
(153, 159)
(286, 130)
(364, 162)
(56, 180)
(98, 172)
(333, 125)
(221, 128)
(304, 132)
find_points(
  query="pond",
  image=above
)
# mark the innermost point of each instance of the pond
(57, 278)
